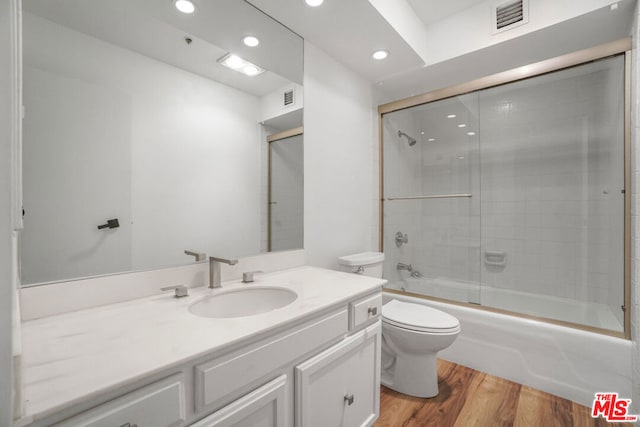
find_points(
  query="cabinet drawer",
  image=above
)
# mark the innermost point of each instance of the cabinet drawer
(224, 376)
(341, 386)
(364, 309)
(157, 405)
(265, 406)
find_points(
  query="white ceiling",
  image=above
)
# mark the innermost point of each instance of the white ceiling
(582, 32)
(156, 29)
(349, 30)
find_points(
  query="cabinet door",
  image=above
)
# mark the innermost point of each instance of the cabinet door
(340, 387)
(263, 407)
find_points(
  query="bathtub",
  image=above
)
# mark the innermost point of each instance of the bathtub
(565, 309)
(566, 362)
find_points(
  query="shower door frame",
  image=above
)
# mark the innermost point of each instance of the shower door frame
(618, 47)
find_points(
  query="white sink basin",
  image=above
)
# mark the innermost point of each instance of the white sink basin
(243, 302)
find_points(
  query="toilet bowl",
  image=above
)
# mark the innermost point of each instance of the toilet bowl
(412, 335)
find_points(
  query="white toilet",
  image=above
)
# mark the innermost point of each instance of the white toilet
(412, 335)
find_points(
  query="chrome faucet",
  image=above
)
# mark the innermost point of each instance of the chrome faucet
(214, 270)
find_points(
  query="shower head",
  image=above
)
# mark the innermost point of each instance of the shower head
(411, 141)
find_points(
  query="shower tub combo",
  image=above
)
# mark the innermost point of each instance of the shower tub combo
(505, 203)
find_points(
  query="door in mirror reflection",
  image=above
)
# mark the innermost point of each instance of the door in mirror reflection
(286, 185)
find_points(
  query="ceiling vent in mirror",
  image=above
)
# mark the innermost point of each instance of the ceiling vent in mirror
(509, 14)
(288, 98)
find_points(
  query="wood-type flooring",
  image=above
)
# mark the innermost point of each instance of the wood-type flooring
(470, 398)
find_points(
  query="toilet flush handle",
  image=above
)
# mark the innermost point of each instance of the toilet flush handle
(360, 270)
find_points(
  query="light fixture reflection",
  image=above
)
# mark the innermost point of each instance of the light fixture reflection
(314, 3)
(241, 65)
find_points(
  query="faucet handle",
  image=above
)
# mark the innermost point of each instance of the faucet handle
(247, 276)
(181, 290)
(200, 256)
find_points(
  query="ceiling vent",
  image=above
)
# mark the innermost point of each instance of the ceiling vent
(288, 98)
(510, 14)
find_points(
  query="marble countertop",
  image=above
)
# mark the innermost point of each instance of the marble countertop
(70, 357)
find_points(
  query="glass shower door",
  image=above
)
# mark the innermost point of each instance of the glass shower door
(552, 175)
(431, 206)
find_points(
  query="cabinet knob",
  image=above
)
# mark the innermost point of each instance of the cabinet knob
(349, 399)
(373, 311)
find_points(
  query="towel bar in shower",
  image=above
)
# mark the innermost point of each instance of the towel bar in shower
(437, 196)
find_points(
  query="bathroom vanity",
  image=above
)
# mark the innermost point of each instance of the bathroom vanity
(152, 362)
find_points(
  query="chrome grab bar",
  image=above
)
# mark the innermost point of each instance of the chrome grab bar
(438, 196)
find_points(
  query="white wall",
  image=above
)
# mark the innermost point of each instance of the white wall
(193, 146)
(7, 255)
(338, 153)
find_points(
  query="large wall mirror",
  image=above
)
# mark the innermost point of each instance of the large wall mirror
(137, 112)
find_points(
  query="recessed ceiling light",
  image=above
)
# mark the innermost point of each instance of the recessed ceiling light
(251, 41)
(421, 133)
(185, 6)
(462, 125)
(241, 65)
(380, 54)
(461, 157)
(451, 116)
(471, 133)
(314, 3)
(431, 139)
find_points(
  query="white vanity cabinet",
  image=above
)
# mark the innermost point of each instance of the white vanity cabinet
(321, 369)
(341, 385)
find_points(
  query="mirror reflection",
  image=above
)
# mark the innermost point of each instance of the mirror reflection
(139, 143)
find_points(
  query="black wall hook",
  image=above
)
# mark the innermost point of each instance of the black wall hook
(112, 223)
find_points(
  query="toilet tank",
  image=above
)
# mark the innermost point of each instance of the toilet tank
(365, 263)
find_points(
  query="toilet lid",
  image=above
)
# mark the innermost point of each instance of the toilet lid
(418, 317)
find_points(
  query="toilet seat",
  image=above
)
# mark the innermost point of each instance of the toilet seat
(419, 318)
